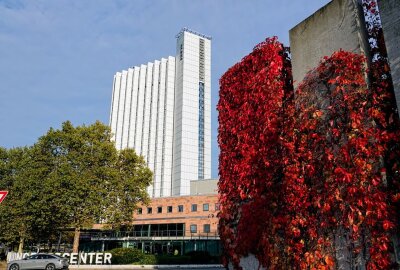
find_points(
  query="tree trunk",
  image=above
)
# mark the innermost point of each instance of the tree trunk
(21, 244)
(76, 240)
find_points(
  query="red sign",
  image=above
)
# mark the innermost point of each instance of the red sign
(3, 195)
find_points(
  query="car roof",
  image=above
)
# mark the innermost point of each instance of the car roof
(42, 254)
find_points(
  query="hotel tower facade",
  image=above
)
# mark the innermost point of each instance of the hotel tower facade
(163, 111)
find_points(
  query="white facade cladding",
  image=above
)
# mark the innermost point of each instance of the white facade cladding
(163, 111)
(192, 122)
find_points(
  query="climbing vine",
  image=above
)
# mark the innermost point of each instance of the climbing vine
(251, 117)
(310, 182)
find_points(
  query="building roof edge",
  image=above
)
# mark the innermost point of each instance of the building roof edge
(186, 29)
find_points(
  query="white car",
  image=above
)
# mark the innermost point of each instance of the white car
(39, 261)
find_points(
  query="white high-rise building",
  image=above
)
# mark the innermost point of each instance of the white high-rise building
(163, 111)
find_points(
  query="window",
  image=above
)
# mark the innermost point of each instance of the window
(139, 211)
(48, 257)
(201, 132)
(205, 207)
(180, 208)
(217, 206)
(149, 210)
(169, 209)
(206, 228)
(193, 228)
(159, 209)
(194, 207)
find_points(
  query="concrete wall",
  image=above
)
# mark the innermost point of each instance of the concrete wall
(202, 187)
(250, 262)
(390, 16)
(337, 25)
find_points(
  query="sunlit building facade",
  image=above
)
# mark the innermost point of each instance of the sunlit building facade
(163, 111)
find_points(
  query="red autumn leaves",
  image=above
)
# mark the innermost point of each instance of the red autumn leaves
(296, 174)
(251, 117)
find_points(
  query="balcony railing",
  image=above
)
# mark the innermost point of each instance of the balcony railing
(147, 234)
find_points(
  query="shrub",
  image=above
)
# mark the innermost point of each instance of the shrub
(148, 259)
(126, 255)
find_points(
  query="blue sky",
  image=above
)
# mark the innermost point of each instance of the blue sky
(58, 57)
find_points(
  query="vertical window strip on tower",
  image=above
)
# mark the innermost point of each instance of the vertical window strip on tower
(150, 118)
(112, 105)
(201, 110)
(144, 111)
(153, 121)
(157, 122)
(117, 131)
(157, 127)
(123, 127)
(130, 108)
(137, 110)
(164, 129)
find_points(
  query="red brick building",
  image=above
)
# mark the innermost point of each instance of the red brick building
(170, 224)
(197, 213)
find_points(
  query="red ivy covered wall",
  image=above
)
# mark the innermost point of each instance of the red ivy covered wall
(337, 195)
(310, 183)
(253, 95)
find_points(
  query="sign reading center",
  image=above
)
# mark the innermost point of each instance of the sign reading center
(97, 258)
(3, 195)
(87, 258)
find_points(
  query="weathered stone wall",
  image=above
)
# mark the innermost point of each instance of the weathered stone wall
(390, 16)
(337, 25)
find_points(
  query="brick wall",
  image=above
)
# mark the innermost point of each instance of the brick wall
(187, 216)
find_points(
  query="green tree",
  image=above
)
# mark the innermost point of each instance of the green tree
(93, 182)
(71, 178)
(17, 211)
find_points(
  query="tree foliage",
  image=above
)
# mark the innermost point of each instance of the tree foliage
(71, 178)
(16, 212)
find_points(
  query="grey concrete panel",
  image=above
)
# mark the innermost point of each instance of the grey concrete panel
(390, 16)
(206, 186)
(337, 25)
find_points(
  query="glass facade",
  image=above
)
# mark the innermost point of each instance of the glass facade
(201, 131)
(201, 110)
